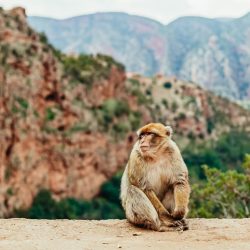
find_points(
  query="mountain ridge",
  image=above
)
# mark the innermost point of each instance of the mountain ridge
(207, 51)
(220, 19)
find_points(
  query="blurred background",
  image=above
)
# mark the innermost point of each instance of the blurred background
(78, 78)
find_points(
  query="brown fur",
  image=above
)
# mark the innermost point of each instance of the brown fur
(155, 189)
(157, 128)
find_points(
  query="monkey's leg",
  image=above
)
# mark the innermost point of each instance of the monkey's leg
(164, 216)
(169, 203)
(163, 213)
(140, 211)
(181, 197)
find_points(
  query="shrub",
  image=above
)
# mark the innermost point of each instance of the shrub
(112, 108)
(196, 158)
(182, 116)
(43, 38)
(135, 119)
(165, 103)
(105, 206)
(223, 195)
(174, 106)
(148, 92)
(50, 115)
(232, 148)
(227, 152)
(20, 106)
(121, 128)
(167, 85)
(22, 102)
(210, 125)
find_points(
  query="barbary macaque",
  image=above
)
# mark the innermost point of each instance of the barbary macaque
(154, 188)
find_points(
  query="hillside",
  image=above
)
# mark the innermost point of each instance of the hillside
(192, 111)
(67, 123)
(118, 234)
(211, 52)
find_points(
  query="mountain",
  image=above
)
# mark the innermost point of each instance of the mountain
(214, 53)
(68, 123)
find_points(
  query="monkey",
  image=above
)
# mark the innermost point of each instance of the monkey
(154, 186)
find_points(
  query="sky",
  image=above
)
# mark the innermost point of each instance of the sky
(164, 11)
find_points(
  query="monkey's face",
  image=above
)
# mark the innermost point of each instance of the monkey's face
(152, 138)
(149, 142)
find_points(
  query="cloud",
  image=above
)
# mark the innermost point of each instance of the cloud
(161, 10)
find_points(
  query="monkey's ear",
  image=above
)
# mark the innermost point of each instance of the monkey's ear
(169, 131)
(138, 132)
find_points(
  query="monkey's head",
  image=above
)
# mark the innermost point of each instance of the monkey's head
(152, 137)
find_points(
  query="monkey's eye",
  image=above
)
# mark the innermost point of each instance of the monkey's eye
(146, 134)
(140, 136)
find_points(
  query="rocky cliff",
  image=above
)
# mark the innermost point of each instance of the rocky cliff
(50, 132)
(67, 123)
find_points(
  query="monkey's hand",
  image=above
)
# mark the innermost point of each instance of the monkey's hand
(179, 213)
(168, 221)
(165, 215)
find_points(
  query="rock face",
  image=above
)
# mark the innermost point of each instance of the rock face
(66, 122)
(114, 234)
(49, 133)
(214, 53)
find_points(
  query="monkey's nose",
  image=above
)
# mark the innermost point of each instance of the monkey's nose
(144, 149)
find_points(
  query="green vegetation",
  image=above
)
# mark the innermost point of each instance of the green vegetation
(83, 69)
(105, 206)
(111, 110)
(135, 119)
(79, 127)
(227, 153)
(50, 115)
(167, 85)
(86, 69)
(165, 103)
(43, 38)
(182, 116)
(115, 116)
(135, 90)
(174, 106)
(20, 106)
(222, 191)
(22, 102)
(210, 125)
(223, 194)
(115, 108)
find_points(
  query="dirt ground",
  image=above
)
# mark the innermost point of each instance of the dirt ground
(119, 234)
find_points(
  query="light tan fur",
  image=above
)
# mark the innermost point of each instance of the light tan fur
(154, 188)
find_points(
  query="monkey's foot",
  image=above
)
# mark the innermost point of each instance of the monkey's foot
(185, 224)
(164, 228)
(174, 224)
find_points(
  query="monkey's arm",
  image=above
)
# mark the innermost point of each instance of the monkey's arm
(181, 196)
(161, 210)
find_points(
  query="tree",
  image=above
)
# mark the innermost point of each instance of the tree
(223, 195)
